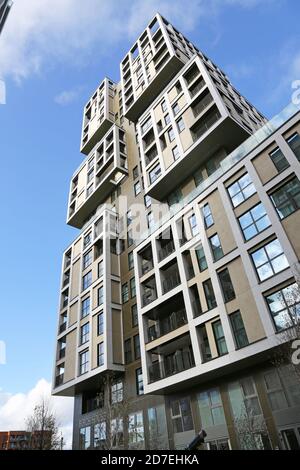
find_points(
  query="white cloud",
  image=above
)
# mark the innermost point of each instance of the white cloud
(67, 97)
(15, 408)
(71, 31)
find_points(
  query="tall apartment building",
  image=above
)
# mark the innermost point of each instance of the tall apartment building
(183, 278)
(5, 6)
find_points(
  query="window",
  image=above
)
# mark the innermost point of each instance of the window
(283, 387)
(241, 190)
(117, 392)
(243, 398)
(87, 240)
(85, 333)
(202, 263)
(146, 125)
(100, 324)
(100, 296)
(139, 381)
(208, 218)
(211, 408)
(154, 174)
(137, 188)
(181, 415)
(147, 201)
(100, 354)
(284, 306)
(117, 432)
(150, 219)
(219, 338)
(134, 315)
(137, 347)
(125, 293)
(167, 119)
(171, 134)
(90, 176)
(294, 143)
(129, 217)
(130, 261)
(275, 391)
(175, 152)
(99, 434)
(238, 328)
(286, 199)
(226, 285)
(176, 108)
(135, 428)
(127, 351)
(87, 280)
(87, 260)
(84, 359)
(180, 125)
(132, 288)
(135, 172)
(100, 269)
(193, 225)
(85, 307)
(279, 159)
(164, 106)
(85, 438)
(209, 294)
(269, 260)
(216, 247)
(254, 221)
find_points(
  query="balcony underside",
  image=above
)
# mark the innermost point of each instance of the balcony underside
(227, 131)
(96, 137)
(97, 197)
(161, 80)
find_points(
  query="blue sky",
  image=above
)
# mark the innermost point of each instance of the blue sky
(53, 54)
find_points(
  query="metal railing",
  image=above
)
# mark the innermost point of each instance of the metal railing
(166, 250)
(166, 368)
(63, 327)
(148, 298)
(168, 324)
(202, 105)
(205, 126)
(172, 281)
(146, 267)
(59, 380)
(197, 87)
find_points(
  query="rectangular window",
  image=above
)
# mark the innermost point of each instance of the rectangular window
(117, 392)
(209, 294)
(294, 143)
(154, 174)
(180, 125)
(85, 438)
(207, 215)
(286, 199)
(219, 338)
(193, 225)
(175, 152)
(167, 119)
(85, 307)
(132, 288)
(284, 306)
(87, 240)
(127, 351)
(269, 260)
(146, 125)
(147, 200)
(137, 188)
(150, 220)
(84, 360)
(238, 328)
(134, 315)
(129, 217)
(202, 263)
(135, 428)
(181, 415)
(100, 269)
(211, 408)
(275, 391)
(139, 381)
(130, 261)
(87, 260)
(125, 293)
(164, 106)
(254, 221)
(226, 285)
(216, 247)
(137, 347)
(85, 333)
(99, 434)
(176, 109)
(279, 160)
(135, 172)
(87, 280)
(100, 354)
(171, 134)
(241, 190)
(100, 324)
(100, 296)
(130, 240)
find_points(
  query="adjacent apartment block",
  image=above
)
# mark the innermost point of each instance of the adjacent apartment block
(183, 281)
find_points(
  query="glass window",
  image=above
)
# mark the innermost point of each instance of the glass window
(150, 219)
(211, 408)
(100, 354)
(87, 280)
(132, 288)
(87, 240)
(125, 293)
(147, 200)
(135, 172)
(146, 125)
(154, 174)
(226, 285)
(284, 306)
(134, 315)
(180, 125)
(137, 188)
(171, 134)
(139, 381)
(130, 261)
(275, 391)
(117, 392)
(100, 296)
(216, 247)
(254, 221)
(279, 159)
(127, 351)
(176, 108)
(175, 152)
(137, 347)
(208, 218)
(238, 328)
(130, 240)
(181, 415)
(193, 225)
(84, 359)
(269, 260)
(99, 434)
(135, 428)
(167, 119)
(243, 399)
(209, 294)
(100, 269)
(117, 432)
(294, 143)
(202, 263)
(85, 307)
(241, 190)
(219, 338)
(129, 217)
(87, 260)
(100, 324)
(85, 438)
(164, 106)
(286, 199)
(85, 333)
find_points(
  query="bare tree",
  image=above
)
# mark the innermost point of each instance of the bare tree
(252, 431)
(42, 427)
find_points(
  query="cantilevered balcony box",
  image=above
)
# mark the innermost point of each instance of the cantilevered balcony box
(160, 52)
(100, 173)
(98, 115)
(194, 122)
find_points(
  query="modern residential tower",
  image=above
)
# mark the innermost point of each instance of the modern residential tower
(184, 278)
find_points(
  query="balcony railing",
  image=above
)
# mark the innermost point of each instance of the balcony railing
(148, 298)
(175, 364)
(196, 88)
(172, 281)
(166, 250)
(59, 379)
(65, 302)
(63, 327)
(147, 266)
(199, 107)
(207, 124)
(61, 353)
(196, 307)
(168, 324)
(191, 76)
